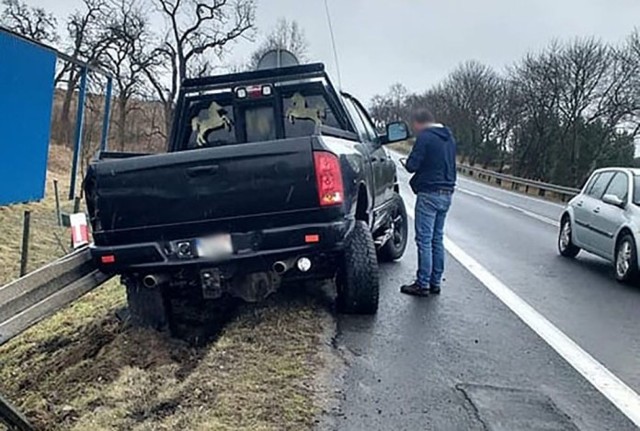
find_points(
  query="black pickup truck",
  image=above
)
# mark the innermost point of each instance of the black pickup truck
(271, 175)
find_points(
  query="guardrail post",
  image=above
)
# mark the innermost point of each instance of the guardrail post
(79, 128)
(57, 194)
(24, 253)
(107, 115)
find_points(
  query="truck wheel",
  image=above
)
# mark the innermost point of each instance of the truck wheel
(146, 306)
(396, 245)
(358, 283)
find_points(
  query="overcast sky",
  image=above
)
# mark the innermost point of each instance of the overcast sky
(417, 42)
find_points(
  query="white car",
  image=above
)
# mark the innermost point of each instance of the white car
(604, 219)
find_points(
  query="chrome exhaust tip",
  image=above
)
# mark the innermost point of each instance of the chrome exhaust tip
(150, 281)
(280, 267)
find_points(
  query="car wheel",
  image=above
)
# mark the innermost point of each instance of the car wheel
(626, 261)
(146, 305)
(566, 247)
(395, 246)
(358, 282)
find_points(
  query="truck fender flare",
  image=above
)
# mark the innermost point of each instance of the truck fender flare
(362, 211)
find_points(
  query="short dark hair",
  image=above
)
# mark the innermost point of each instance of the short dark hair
(422, 116)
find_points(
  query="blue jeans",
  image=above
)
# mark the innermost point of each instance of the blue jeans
(431, 211)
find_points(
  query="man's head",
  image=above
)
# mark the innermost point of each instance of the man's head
(421, 119)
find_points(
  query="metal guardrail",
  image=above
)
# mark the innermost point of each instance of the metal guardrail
(39, 294)
(532, 187)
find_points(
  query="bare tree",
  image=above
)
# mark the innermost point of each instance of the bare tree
(33, 22)
(554, 116)
(287, 35)
(127, 56)
(86, 42)
(391, 106)
(194, 29)
(473, 95)
(631, 58)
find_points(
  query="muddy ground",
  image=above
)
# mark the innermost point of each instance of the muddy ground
(86, 368)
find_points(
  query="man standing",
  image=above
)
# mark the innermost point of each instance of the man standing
(433, 163)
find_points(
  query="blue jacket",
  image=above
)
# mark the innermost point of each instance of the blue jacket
(433, 160)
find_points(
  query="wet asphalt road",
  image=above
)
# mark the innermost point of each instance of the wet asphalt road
(463, 360)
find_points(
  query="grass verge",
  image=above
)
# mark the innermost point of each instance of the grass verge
(47, 240)
(84, 369)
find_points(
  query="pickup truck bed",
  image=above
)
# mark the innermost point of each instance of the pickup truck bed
(202, 191)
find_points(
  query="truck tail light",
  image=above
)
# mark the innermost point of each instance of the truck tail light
(328, 178)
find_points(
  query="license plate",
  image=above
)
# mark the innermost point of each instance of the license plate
(215, 247)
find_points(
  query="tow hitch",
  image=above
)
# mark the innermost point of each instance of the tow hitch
(211, 282)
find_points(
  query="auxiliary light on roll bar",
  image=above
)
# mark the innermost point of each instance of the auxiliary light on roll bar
(254, 91)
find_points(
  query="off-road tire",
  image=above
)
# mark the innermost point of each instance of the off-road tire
(395, 247)
(147, 307)
(631, 274)
(197, 320)
(358, 282)
(566, 247)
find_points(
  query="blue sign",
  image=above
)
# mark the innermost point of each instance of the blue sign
(26, 98)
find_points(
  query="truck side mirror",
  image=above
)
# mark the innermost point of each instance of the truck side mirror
(396, 132)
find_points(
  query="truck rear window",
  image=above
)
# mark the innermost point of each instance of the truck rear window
(212, 124)
(218, 119)
(303, 111)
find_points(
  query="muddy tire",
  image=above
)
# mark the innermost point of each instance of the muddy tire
(395, 247)
(147, 307)
(358, 282)
(197, 320)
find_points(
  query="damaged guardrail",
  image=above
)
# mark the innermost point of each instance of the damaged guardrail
(41, 293)
(36, 296)
(536, 188)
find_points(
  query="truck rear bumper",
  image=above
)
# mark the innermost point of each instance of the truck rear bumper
(252, 251)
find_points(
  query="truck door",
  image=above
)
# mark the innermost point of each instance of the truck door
(374, 152)
(383, 166)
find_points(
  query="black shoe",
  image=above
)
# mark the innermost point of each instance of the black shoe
(434, 289)
(414, 289)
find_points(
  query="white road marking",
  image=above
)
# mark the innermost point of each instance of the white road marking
(607, 383)
(528, 213)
